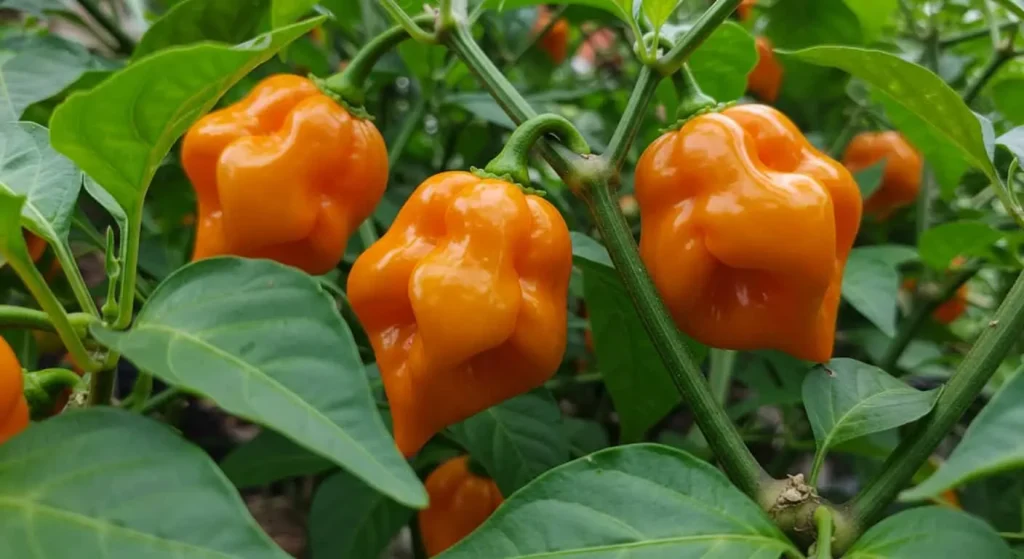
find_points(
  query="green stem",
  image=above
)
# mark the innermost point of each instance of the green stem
(823, 544)
(21, 317)
(129, 275)
(720, 375)
(846, 134)
(997, 60)
(125, 44)
(350, 83)
(75, 279)
(723, 438)
(407, 22)
(141, 391)
(691, 99)
(1011, 536)
(701, 30)
(962, 388)
(160, 400)
(101, 385)
(923, 307)
(953, 40)
(632, 118)
(819, 459)
(514, 157)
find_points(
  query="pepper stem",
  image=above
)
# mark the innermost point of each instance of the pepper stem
(512, 161)
(350, 83)
(692, 101)
(42, 387)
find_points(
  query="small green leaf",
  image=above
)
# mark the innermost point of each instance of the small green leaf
(58, 497)
(846, 399)
(192, 21)
(284, 12)
(874, 15)
(641, 500)
(268, 458)
(940, 245)
(930, 532)
(119, 131)
(288, 362)
(516, 440)
(588, 249)
(993, 443)
(721, 63)
(871, 285)
(658, 11)
(869, 179)
(349, 520)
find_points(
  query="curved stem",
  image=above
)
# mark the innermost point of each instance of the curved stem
(125, 44)
(922, 309)
(349, 84)
(962, 388)
(12, 316)
(823, 522)
(721, 434)
(408, 22)
(513, 158)
(701, 30)
(632, 118)
(691, 99)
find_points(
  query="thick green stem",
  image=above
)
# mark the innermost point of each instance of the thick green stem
(923, 307)
(725, 441)
(514, 158)
(970, 378)
(407, 22)
(701, 30)
(632, 117)
(692, 100)
(823, 522)
(125, 44)
(101, 385)
(141, 391)
(350, 83)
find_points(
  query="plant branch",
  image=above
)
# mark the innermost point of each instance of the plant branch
(954, 40)
(962, 388)
(632, 117)
(998, 59)
(406, 21)
(823, 522)
(125, 44)
(21, 317)
(701, 30)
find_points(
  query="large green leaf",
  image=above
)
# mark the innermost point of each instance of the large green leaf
(41, 68)
(268, 458)
(48, 180)
(871, 285)
(846, 399)
(516, 440)
(108, 483)
(721, 63)
(119, 131)
(930, 532)
(941, 244)
(349, 520)
(35, 7)
(993, 443)
(192, 21)
(932, 116)
(635, 501)
(264, 342)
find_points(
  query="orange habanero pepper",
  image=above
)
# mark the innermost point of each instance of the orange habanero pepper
(460, 501)
(286, 174)
(14, 413)
(464, 300)
(36, 246)
(745, 8)
(765, 79)
(745, 229)
(949, 310)
(556, 41)
(901, 178)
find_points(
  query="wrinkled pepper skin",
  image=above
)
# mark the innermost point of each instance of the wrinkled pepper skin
(745, 229)
(765, 79)
(460, 501)
(901, 178)
(556, 41)
(286, 174)
(464, 301)
(14, 413)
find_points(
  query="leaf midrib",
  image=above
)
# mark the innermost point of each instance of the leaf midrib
(827, 442)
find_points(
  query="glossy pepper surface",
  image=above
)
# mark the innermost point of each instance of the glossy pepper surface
(460, 501)
(286, 174)
(745, 229)
(14, 412)
(901, 178)
(556, 41)
(464, 300)
(765, 79)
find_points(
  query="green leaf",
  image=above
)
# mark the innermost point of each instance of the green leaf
(632, 501)
(633, 372)
(349, 520)
(940, 245)
(284, 12)
(516, 440)
(119, 131)
(869, 179)
(41, 68)
(926, 110)
(1013, 141)
(722, 62)
(773, 377)
(893, 255)
(846, 399)
(288, 362)
(871, 285)
(622, 9)
(34, 7)
(585, 435)
(119, 485)
(1012, 6)
(658, 11)
(588, 249)
(270, 457)
(930, 532)
(993, 443)
(193, 21)
(1009, 102)
(874, 15)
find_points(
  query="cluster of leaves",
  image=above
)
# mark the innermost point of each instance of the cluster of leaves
(88, 140)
